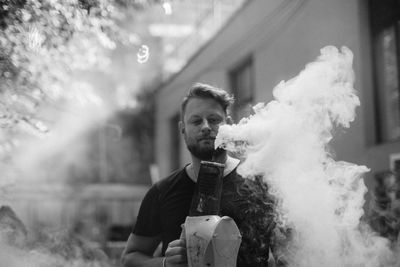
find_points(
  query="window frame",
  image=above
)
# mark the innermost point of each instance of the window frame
(383, 15)
(235, 73)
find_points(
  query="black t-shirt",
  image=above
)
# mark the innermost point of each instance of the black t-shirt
(166, 205)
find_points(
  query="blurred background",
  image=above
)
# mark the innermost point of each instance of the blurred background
(90, 92)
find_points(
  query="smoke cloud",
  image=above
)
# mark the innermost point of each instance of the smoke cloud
(287, 142)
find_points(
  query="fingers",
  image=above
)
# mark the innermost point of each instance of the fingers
(176, 259)
(176, 253)
(177, 243)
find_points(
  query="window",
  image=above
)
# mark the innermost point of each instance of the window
(175, 138)
(385, 29)
(242, 83)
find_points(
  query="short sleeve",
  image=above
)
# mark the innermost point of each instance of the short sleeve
(148, 219)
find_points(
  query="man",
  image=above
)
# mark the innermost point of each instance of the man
(167, 203)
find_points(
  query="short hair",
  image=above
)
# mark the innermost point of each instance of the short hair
(201, 90)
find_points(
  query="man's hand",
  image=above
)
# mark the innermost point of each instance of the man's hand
(175, 254)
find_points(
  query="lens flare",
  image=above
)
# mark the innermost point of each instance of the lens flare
(143, 54)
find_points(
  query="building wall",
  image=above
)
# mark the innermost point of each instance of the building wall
(283, 36)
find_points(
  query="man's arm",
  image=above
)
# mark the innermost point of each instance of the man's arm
(279, 245)
(139, 251)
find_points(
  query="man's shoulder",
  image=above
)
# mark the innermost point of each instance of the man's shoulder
(233, 175)
(249, 184)
(172, 178)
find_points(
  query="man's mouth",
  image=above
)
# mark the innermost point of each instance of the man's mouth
(207, 139)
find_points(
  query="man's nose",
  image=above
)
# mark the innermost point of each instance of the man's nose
(205, 126)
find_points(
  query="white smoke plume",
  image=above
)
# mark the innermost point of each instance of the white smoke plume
(286, 141)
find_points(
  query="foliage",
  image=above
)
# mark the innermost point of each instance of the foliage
(45, 44)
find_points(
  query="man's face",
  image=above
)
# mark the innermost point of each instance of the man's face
(201, 121)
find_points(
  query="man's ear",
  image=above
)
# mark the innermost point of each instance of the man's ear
(181, 127)
(229, 120)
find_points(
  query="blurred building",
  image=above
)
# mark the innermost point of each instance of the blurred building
(267, 41)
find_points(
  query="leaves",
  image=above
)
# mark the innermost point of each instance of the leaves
(44, 44)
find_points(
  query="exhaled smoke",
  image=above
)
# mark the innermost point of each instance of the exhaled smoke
(319, 198)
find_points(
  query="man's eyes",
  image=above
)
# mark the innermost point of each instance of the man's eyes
(197, 122)
(209, 120)
(214, 120)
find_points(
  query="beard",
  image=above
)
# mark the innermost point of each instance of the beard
(207, 153)
(202, 153)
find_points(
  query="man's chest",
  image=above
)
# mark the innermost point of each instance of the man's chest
(175, 207)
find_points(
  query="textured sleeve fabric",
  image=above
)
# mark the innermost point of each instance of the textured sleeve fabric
(255, 223)
(279, 248)
(148, 219)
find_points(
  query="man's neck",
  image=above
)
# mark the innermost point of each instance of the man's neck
(193, 168)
